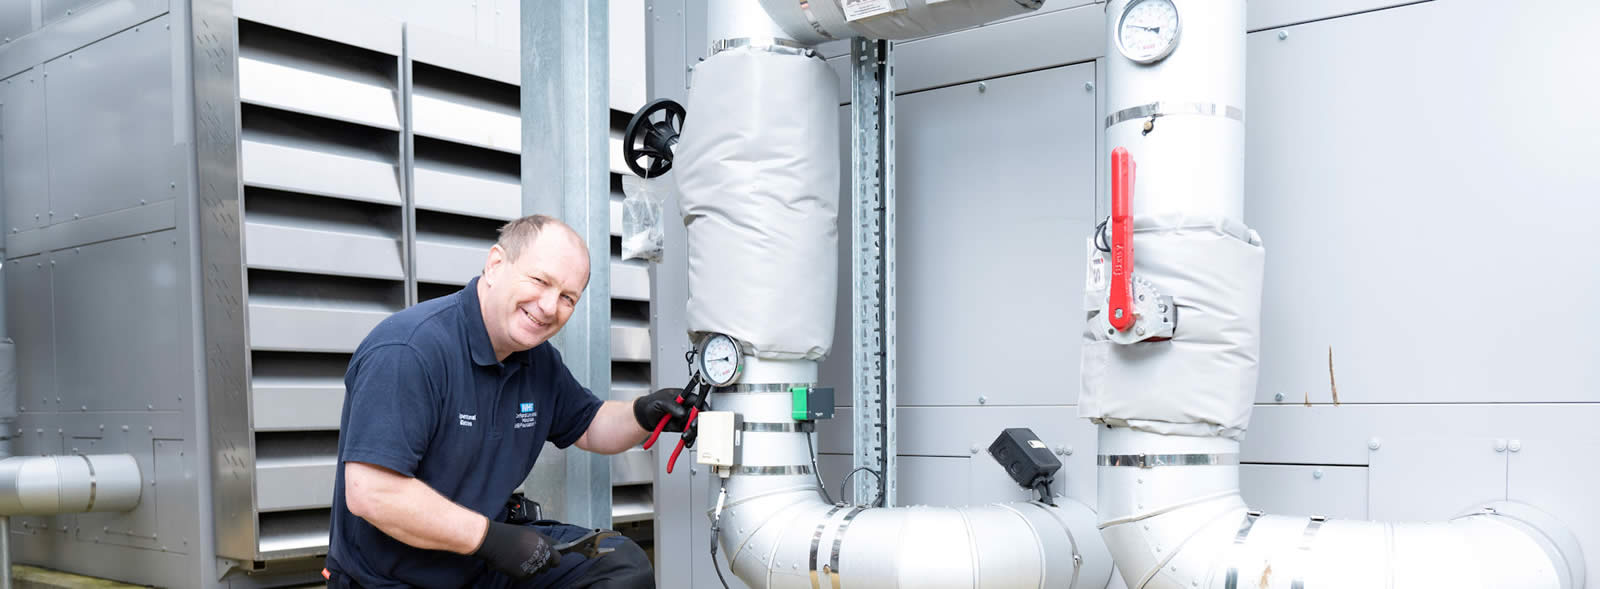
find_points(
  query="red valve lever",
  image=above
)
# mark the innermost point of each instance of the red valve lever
(1121, 304)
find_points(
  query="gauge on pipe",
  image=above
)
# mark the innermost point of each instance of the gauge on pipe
(720, 361)
(1148, 30)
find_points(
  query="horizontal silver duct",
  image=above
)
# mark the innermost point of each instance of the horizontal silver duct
(1180, 524)
(45, 485)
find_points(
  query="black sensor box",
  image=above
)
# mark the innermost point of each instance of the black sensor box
(1027, 459)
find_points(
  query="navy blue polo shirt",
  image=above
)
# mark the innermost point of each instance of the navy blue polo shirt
(425, 397)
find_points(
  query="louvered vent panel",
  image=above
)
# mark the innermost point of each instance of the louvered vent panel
(320, 158)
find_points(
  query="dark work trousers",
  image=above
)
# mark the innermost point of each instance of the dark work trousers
(626, 567)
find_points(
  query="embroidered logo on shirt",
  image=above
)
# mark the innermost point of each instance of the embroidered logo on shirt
(526, 416)
(467, 420)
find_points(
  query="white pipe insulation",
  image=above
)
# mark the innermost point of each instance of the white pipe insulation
(1169, 503)
(758, 175)
(818, 21)
(45, 485)
(777, 532)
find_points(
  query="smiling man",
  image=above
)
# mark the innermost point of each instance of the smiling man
(447, 405)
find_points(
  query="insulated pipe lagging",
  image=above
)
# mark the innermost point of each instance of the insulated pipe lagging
(819, 21)
(45, 485)
(776, 530)
(1172, 518)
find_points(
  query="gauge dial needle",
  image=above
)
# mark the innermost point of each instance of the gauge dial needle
(1156, 30)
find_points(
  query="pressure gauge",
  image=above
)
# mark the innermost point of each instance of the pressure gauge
(720, 361)
(1148, 31)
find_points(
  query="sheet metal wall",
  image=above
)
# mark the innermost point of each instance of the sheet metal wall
(373, 166)
(1395, 149)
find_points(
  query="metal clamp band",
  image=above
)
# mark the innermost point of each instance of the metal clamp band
(805, 8)
(92, 483)
(1030, 4)
(1155, 460)
(816, 541)
(1168, 109)
(772, 470)
(770, 44)
(832, 569)
(1232, 580)
(1050, 510)
(766, 387)
(1310, 533)
(769, 426)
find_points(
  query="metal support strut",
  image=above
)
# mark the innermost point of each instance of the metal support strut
(872, 339)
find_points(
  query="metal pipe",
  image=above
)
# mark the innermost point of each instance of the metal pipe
(46, 485)
(5, 551)
(1179, 523)
(777, 531)
(819, 21)
(1168, 501)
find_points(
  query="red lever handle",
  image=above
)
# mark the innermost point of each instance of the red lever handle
(1120, 305)
(693, 412)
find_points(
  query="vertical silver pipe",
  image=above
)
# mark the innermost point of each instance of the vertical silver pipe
(5, 552)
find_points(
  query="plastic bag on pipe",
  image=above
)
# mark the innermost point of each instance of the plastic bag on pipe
(641, 216)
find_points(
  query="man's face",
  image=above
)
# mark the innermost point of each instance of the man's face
(530, 298)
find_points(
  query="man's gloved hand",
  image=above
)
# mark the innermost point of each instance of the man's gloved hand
(650, 408)
(518, 551)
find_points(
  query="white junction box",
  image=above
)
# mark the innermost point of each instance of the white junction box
(718, 441)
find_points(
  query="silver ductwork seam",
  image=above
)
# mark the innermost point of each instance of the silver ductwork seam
(1169, 504)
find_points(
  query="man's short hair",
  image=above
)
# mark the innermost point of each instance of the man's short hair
(521, 232)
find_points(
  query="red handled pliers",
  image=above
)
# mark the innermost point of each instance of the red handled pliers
(693, 398)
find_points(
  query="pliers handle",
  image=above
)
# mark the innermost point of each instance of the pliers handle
(687, 397)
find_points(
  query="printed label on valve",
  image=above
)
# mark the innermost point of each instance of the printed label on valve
(859, 9)
(1095, 277)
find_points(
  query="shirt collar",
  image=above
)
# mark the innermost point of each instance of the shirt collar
(478, 335)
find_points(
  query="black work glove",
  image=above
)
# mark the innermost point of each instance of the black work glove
(518, 551)
(650, 408)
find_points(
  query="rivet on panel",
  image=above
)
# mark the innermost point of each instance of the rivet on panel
(1374, 444)
(1499, 445)
(982, 400)
(1283, 35)
(1316, 474)
(124, 428)
(1088, 86)
(1278, 397)
(982, 87)
(973, 449)
(149, 407)
(1515, 446)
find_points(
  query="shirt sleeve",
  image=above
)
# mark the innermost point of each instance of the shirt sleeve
(575, 406)
(392, 408)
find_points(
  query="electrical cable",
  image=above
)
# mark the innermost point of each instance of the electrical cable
(1101, 242)
(876, 501)
(717, 531)
(822, 488)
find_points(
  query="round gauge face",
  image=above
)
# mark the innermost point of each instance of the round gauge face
(719, 360)
(1148, 31)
